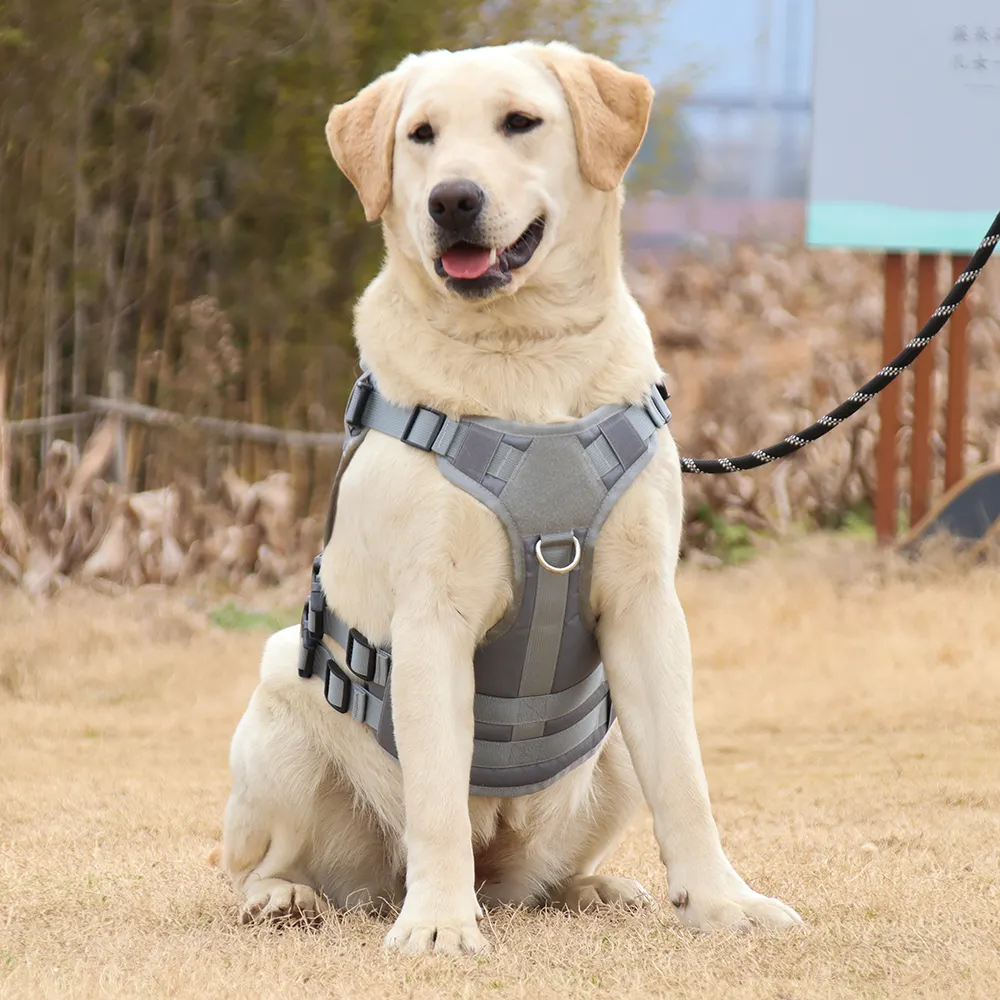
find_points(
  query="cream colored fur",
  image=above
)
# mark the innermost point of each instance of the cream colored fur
(319, 814)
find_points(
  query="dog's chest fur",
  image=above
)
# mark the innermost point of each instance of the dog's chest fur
(403, 530)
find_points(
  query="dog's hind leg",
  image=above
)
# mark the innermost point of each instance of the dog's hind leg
(263, 847)
(615, 796)
(564, 834)
(295, 840)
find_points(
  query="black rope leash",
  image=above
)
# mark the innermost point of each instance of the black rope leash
(871, 388)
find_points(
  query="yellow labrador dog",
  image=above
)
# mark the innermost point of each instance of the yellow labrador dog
(526, 146)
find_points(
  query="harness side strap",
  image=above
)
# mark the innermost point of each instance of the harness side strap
(367, 662)
(348, 697)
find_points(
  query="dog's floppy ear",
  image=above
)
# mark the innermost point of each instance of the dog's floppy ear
(610, 109)
(361, 134)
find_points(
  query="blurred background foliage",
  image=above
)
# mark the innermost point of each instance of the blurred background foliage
(169, 209)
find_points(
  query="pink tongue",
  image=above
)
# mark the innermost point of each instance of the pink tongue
(466, 262)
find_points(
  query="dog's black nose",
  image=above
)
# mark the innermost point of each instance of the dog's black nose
(455, 205)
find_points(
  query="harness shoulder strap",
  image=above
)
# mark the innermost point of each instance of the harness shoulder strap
(418, 426)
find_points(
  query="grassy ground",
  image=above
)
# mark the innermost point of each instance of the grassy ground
(849, 719)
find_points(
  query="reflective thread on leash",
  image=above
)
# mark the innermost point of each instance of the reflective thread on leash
(867, 392)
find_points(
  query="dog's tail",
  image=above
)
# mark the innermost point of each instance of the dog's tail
(215, 855)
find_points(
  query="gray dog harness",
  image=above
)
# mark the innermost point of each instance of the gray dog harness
(542, 703)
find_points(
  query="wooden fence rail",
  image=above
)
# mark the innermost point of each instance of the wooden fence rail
(152, 416)
(37, 425)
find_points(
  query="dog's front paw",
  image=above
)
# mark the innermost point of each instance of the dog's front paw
(444, 930)
(721, 900)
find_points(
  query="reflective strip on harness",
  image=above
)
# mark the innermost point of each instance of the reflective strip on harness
(518, 752)
(547, 622)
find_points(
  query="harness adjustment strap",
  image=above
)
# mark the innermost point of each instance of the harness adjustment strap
(312, 623)
(656, 406)
(420, 427)
(362, 657)
(337, 685)
(359, 656)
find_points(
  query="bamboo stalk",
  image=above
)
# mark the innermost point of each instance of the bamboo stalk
(129, 262)
(258, 413)
(50, 360)
(79, 378)
(28, 466)
(4, 439)
(154, 242)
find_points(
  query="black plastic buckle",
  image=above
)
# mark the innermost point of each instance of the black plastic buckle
(308, 644)
(356, 641)
(414, 414)
(656, 405)
(311, 631)
(317, 605)
(341, 703)
(356, 403)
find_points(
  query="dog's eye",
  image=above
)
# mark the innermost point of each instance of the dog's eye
(422, 133)
(516, 122)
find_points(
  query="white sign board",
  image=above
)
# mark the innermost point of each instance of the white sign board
(906, 124)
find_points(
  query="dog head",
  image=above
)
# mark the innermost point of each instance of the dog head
(482, 162)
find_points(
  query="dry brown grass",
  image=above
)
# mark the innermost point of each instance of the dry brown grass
(848, 712)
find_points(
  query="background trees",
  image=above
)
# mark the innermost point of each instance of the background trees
(169, 210)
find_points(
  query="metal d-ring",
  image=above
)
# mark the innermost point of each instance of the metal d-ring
(574, 562)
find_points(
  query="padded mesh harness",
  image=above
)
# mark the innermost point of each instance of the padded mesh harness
(542, 703)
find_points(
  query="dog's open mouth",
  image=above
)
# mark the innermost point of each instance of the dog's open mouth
(467, 262)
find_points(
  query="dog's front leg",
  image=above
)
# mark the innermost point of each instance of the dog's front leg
(432, 712)
(647, 655)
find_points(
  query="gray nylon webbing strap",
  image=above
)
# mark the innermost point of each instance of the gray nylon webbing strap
(426, 429)
(365, 707)
(382, 415)
(602, 456)
(487, 753)
(547, 622)
(540, 708)
(505, 460)
(339, 631)
(336, 628)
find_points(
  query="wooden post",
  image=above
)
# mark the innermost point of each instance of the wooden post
(923, 393)
(958, 385)
(888, 403)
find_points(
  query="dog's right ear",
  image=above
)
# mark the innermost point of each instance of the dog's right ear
(361, 134)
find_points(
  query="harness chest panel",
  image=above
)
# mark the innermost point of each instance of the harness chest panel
(542, 703)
